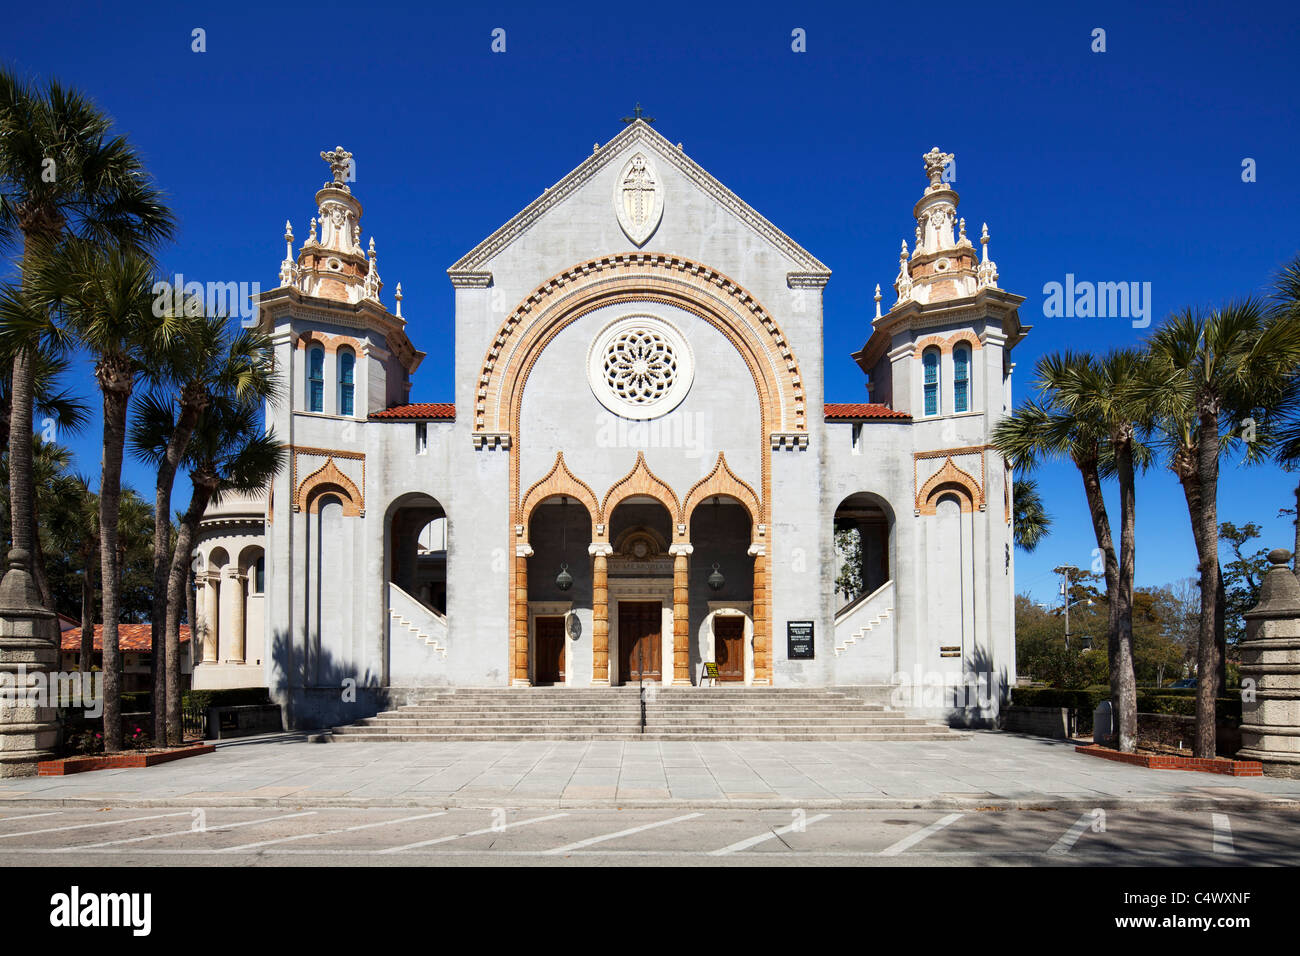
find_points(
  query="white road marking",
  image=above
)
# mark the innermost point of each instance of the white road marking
(308, 836)
(28, 816)
(1071, 836)
(171, 833)
(764, 837)
(910, 841)
(621, 833)
(101, 823)
(1222, 833)
(461, 836)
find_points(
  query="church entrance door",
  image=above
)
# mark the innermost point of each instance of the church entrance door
(640, 640)
(729, 647)
(550, 650)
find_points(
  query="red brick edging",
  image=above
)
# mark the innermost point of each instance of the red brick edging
(1224, 765)
(66, 765)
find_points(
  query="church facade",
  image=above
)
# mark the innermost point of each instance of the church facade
(640, 478)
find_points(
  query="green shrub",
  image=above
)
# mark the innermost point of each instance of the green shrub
(233, 697)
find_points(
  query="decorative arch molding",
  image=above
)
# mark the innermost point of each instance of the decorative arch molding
(722, 481)
(639, 481)
(330, 343)
(949, 478)
(945, 344)
(558, 481)
(329, 480)
(639, 277)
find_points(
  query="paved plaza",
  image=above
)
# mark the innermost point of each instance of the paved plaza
(979, 770)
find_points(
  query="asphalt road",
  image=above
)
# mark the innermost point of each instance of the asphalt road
(260, 836)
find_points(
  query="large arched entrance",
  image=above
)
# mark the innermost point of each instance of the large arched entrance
(640, 591)
(722, 589)
(559, 591)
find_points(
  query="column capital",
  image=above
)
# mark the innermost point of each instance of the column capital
(683, 549)
(524, 550)
(757, 548)
(600, 549)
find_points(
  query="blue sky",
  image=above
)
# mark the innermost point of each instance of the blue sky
(1115, 166)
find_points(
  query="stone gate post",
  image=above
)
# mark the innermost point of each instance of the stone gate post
(29, 656)
(1270, 656)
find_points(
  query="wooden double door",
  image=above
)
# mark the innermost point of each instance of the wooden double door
(549, 645)
(729, 646)
(640, 641)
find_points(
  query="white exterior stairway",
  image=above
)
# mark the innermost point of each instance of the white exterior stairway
(405, 613)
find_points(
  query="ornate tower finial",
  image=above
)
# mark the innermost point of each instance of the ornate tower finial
(398, 297)
(935, 163)
(288, 240)
(988, 269)
(877, 300)
(311, 239)
(340, 161)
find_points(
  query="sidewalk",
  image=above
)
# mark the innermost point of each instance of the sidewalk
(985, 769)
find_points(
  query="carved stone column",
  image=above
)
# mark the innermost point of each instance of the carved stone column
(600, 553)
(681, 614)
(520, 678)
(234, 650)
(29, 653)
(1270, 657)
(211, 617)
(762, 626)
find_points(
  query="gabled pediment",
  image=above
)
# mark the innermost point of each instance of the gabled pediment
(635, 202)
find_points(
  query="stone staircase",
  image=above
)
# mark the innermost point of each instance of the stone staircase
(614, 713)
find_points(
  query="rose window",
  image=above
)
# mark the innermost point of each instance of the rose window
(640, 366)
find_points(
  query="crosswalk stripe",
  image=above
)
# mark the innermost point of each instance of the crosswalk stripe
(910, 841)
(461, 836)
(764, 837)
(621, 833)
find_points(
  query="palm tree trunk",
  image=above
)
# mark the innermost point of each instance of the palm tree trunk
(87, 618)
(38, 558)
(1106, 544)
(162, 562)
(21, 483)
(1295, 553)
(116, 399)
(1207, 663)
(1126, 685)
(177, 584)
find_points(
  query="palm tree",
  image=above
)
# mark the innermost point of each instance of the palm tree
(74, 528)
(1286, 300)
(1030, 522)
(209, 358)
(106, 302)
(1089, 416)
(1213, 376)
(62, 173)
(228, 451)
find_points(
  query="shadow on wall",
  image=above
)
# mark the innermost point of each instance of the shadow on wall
(982, 697)
(336, 694)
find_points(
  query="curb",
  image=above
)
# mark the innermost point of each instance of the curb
(880, 803)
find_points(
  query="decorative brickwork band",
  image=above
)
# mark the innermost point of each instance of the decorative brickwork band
(681, 614)
(600, 614)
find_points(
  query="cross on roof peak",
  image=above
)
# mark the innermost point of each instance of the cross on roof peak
(638, 114)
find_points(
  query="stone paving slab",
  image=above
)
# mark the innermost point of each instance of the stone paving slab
(979, 769)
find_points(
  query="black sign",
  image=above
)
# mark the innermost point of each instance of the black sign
(799, 640)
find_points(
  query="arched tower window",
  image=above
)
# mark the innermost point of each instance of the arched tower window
(316, 379)
(347, 383)
(961, 378)
(930, 366)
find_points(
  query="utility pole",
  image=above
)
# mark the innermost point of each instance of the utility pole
(1067, 573)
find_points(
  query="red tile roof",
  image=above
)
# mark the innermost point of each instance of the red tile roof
(843, 411)
(435, 411)
(135, 638)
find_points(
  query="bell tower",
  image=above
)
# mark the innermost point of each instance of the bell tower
(344, 354)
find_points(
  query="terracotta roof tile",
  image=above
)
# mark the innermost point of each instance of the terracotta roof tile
(842, 411)
(435, 411)
(135, 638)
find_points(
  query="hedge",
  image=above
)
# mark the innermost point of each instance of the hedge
(1180, 702)
(232, 697)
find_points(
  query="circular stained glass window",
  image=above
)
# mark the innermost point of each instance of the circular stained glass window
(640, 367)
